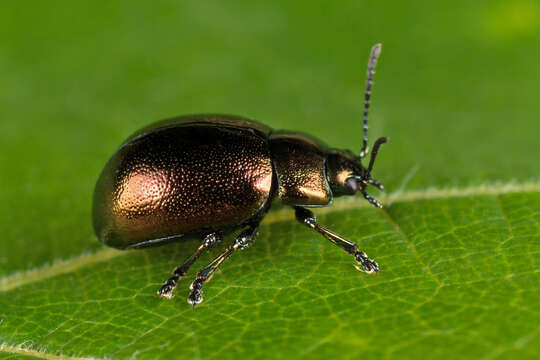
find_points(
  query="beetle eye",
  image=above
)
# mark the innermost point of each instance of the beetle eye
(351, 184)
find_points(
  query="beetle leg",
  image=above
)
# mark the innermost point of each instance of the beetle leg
(178, 273)
(242, 241)
(307, 218)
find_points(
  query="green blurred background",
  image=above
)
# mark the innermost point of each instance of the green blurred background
(457, 91)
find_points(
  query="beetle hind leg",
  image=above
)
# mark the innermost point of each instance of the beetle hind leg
(242, 241)
(178, 273)
(366, 264)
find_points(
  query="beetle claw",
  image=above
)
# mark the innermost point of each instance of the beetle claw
(194, 299)
(368, 266)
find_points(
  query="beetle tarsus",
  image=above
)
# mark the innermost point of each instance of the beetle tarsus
(242, 241)
(179, 273)
(167, 289)
(307, 218)
(195, 296)
(369, 266)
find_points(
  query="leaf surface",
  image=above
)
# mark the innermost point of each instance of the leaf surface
(457, 272)
(458, 240)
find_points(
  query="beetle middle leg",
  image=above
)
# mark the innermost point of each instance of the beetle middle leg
(178, 273)
(242, 241)
(307, 218)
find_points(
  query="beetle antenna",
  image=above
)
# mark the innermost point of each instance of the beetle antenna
(374, 55)
(376, 147)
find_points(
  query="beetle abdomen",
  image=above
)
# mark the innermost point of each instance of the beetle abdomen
(181, 179)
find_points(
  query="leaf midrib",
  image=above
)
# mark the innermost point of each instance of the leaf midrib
(20, 278)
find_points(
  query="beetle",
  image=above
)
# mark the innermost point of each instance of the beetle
(209, 175)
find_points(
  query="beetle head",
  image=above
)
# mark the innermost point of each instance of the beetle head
(346, 174)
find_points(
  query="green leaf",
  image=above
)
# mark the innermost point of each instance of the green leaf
(458, 239)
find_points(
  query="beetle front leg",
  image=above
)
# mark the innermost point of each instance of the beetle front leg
(307, 218)
(178, 273)
(242, 241)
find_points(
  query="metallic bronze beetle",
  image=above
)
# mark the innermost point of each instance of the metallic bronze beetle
(211, 174)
